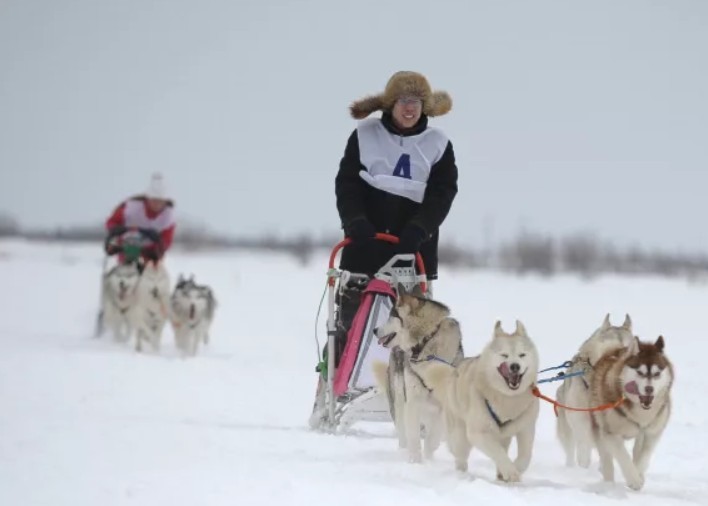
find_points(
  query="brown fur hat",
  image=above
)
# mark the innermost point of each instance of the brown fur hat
(403, 84)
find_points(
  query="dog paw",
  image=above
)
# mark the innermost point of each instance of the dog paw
(635, 482)
(509, 475)
(415, 458)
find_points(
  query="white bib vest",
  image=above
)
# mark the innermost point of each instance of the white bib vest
(134, 215)
(395, 164)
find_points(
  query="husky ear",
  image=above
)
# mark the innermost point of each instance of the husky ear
(633, 348)
(401, 289)
(659, 344)
(417, 290)
(520, 329)
(627, 322)
(606, 322)
(498, 331)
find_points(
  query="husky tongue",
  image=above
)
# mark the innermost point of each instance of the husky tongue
(632, 388)
(504, 369)
(384, 340)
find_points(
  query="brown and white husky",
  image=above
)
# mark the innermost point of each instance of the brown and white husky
(643, 375)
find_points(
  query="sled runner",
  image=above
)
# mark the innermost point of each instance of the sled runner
(346, 390)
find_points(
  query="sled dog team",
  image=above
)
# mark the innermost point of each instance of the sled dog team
(621, 391)
(137, 300)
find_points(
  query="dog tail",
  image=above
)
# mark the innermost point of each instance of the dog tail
(381, 374)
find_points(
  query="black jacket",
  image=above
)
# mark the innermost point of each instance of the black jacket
(390, 213)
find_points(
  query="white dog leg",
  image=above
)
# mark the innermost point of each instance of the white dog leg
(565, 436)
(643, 448)
(524, 442)
(607, 467)
(492, 447)
(412, 417)
(581, 427)
(457, 442)
(433, 435)
(399, 411)
(615, 445)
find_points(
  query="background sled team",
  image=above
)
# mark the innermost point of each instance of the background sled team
(136, 297)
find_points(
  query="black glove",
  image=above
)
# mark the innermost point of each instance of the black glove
(360, 230)
(111, 249)
(116, 231)
(410, 239)
(151, 254)
(151, 234)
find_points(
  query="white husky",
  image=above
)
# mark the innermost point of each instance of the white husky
(488, 401)
(192, 309)
(119, 298)
(574, 428)
(151, 310)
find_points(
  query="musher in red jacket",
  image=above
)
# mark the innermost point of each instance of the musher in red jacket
(152, 213)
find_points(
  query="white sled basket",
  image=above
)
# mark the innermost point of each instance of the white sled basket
(348, 393)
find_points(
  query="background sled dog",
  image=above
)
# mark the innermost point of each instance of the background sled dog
(487, 401)
(641, 373)
(574, 428)
(150, 312)
(192, 311)
(417, 327)
(119, 297)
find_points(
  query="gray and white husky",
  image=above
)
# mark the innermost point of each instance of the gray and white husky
(119, 299)
(192, 308)
(574, 428)
(151, 310)
(417, 328)
(488, 400)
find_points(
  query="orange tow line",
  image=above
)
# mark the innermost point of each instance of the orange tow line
(535, 391)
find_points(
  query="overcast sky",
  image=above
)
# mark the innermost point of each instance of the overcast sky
(568, 116)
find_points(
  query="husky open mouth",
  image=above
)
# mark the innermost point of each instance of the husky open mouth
(513, 379)
(645, 401)
(386, 340)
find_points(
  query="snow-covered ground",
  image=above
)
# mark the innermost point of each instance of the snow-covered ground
(90, 422)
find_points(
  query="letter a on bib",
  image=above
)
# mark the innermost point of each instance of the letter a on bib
(403, 166)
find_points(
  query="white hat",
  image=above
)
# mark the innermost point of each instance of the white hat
(156, 189)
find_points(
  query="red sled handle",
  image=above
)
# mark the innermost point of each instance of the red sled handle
(381, 237)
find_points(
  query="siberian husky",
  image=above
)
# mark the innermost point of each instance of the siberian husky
(417, 328)
(642, 375)
(151, 310)
(119, 298)
(574, 428)
(192, 312)
(488, 401)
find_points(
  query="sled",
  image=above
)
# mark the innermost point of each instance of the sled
(347, 392)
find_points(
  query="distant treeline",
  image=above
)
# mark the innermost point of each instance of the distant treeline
(528, 253)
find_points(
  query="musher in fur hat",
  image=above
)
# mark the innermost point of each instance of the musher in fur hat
(397, 176)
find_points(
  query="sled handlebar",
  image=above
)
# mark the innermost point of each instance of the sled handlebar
(380, 237)
(152, 237)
